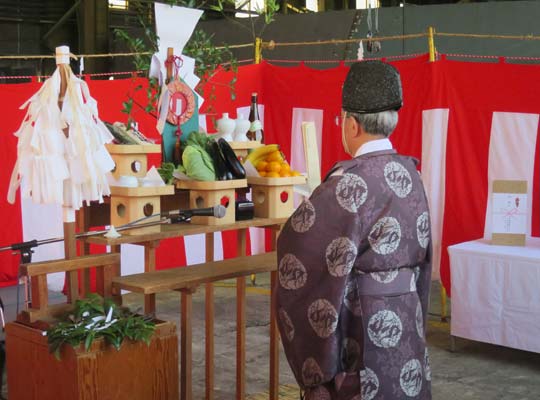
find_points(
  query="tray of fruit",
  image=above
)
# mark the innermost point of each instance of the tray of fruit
(271, 164)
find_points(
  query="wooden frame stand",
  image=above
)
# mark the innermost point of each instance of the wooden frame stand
(131, 159)
(130, 204)
(209, 194)
(273, 197)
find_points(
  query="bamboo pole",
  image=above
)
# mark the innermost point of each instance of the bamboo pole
(431, 43)
(258, 50)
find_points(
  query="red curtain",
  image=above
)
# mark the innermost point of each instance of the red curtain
(471, 91)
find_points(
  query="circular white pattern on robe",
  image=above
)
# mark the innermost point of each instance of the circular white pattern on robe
(384, 276)
(292, 273)
(304, 217)
(352, 298)
(351, 192)
(350, 354)
(422, 229)
(311, 372)
(319, 393)
(340, 256)
(385, 329)
(287, 324)
(419, 320)
(370, 383)
(385, 235)
(398, 179)
(427, 366)
(323, 317)
(410, 378)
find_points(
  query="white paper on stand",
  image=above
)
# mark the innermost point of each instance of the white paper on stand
(250, 169)
(510, 213)
(174, 26)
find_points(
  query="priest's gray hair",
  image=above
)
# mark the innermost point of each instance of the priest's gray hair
(382, 123)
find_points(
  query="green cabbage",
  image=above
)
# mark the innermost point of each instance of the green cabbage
(198, 163)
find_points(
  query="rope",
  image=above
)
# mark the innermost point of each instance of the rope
(344, 41)
(525, 58)
(481, 36)
(397, 57)
(31, 57)
(79, 75)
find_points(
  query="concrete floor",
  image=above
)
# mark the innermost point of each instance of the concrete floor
(475, 371)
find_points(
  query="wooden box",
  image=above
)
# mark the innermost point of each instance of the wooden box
(130, 159)
(273, 197)
(209, 194)
(241, 149)
(129, 204)
(135, 372)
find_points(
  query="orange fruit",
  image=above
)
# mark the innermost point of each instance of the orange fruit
(261, 165)
(285, 167)
(275, 156)
(295, 173)
(284, 174)
(262, 173)
(273, 166)
(272, 175)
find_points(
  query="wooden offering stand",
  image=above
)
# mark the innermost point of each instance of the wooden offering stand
(273, 197)
(209, 194)
(129, 204)
(241, 149)
(136, 372)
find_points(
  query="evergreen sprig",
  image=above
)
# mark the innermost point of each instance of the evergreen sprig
(95, 317)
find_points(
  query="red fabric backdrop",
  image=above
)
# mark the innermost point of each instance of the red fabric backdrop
(471, 91)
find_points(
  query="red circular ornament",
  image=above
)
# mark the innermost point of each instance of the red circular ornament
(181, 102)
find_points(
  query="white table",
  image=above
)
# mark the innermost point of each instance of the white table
(496, 293)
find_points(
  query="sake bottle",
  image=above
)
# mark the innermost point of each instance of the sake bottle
(255, 131)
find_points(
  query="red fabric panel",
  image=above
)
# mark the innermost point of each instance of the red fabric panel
(473, 92)
(12, 97)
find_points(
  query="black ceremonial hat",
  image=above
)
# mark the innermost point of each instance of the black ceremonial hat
(372, 87)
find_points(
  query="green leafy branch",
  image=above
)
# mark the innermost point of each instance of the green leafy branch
(95, 317)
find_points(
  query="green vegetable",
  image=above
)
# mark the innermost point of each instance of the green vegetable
(166, 172)
(94, 317)
(196, 160)
(198, 163)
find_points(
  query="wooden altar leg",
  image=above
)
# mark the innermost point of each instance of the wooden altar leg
(209, 327)
(185, 346)
(443, 304)
(241, 323)
(274, 333)
(70, 251)
(150, 265)
(83, 225)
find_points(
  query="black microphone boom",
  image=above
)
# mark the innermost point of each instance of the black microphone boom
(216, 211)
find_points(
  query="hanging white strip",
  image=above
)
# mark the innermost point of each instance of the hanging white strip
(511, 156)
(434, 134)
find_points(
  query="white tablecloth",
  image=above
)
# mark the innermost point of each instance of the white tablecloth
(496, 293)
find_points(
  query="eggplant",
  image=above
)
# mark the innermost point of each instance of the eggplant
(231, 160)
(217, 158)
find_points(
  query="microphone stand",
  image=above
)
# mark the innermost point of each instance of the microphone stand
(25, 249)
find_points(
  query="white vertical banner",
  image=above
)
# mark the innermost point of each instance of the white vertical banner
(511, 156)
(132, 259)
(40, 222)
(195, 249)
(434, 136)
(298, 159)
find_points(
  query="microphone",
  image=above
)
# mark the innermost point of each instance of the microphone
(216, 211)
